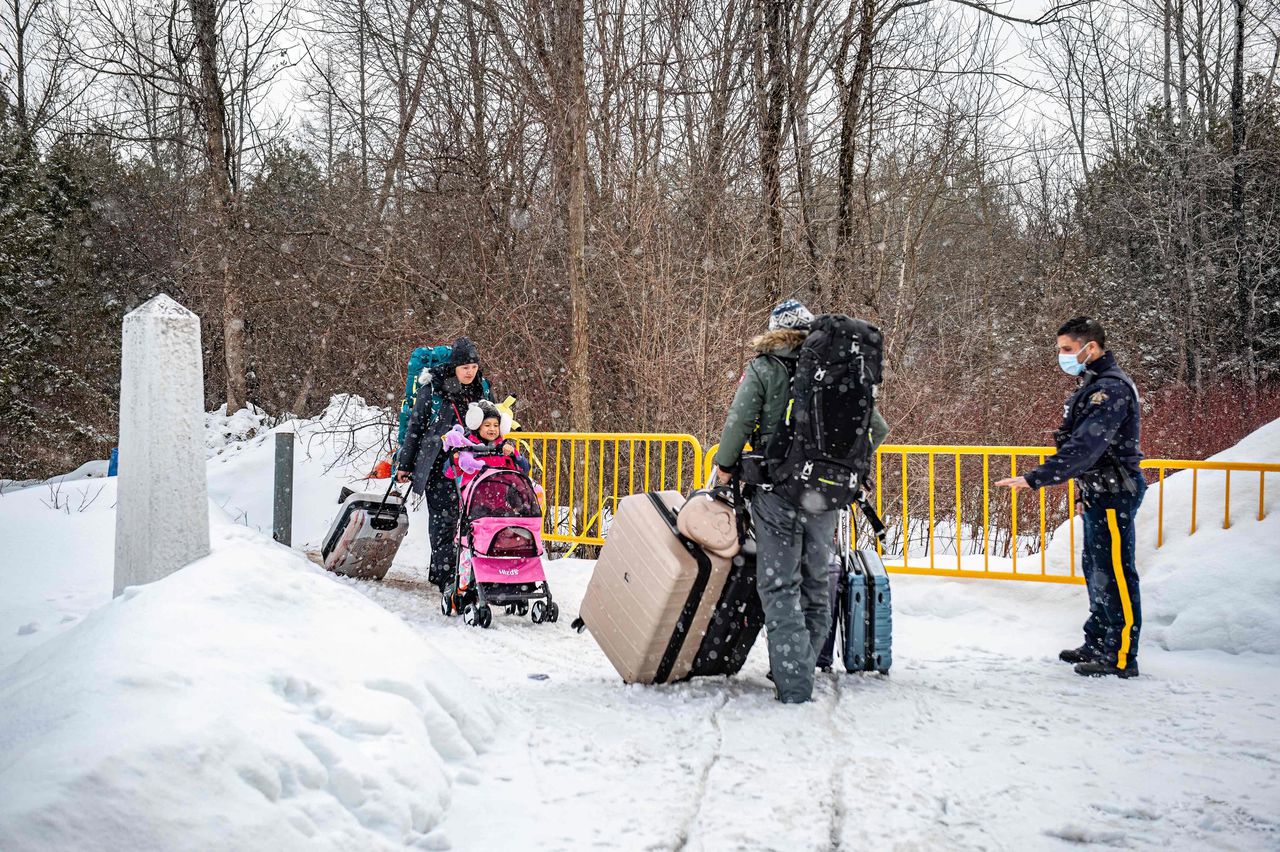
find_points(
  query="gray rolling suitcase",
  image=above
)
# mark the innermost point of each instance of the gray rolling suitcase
(364, 537)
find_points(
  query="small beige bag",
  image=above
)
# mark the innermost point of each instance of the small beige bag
(707, 518)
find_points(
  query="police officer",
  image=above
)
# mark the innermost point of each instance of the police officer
(1098, 447)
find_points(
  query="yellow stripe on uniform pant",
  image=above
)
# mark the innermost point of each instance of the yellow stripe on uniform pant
(1117, 567)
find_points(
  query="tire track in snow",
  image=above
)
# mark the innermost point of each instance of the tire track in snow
(836, 834)
(770, 788)
(691, 822)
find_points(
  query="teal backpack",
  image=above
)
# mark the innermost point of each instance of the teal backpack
(430, 358)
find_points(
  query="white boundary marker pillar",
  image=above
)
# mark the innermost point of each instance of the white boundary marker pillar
(162, 504)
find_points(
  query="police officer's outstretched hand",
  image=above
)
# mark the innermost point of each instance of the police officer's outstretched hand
(1017, 483)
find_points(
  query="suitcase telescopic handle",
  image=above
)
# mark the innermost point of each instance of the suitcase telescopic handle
(381, 521)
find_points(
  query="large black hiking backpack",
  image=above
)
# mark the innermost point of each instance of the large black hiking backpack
(822, 456)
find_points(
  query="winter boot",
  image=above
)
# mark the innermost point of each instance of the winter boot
(1101, 668)
(1083, 654)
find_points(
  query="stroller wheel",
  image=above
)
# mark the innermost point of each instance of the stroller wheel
(478, 616)
(522, 609)
(446, 604)
(553, 612)
(539, 613)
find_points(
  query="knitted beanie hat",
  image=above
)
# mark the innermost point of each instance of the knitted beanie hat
(464, 352)
(790, 314)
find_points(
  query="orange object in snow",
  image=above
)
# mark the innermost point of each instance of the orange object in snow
(382, 469)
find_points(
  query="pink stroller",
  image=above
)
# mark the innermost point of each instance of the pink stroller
(499, 548)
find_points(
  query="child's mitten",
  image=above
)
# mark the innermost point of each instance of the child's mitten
(455, 438)
(469, 463)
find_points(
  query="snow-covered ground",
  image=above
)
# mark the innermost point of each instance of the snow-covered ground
(438, 735)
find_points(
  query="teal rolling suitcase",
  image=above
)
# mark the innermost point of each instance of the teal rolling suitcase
(866, 614)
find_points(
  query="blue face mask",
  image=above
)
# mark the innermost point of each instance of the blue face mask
(1069, 363)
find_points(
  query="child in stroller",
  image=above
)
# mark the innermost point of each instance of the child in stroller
(499, 526)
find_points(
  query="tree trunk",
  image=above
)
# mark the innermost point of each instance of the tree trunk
(210, 106)
(798, 110)
(1167, 76)
(363, 128)
(851, 97)
(769, 104)
(1184, 110)
(571, 91)
(1243, 301)
(20, 73)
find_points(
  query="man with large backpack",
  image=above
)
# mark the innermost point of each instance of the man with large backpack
(807, 400)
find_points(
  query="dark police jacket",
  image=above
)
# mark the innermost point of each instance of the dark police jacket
(1098, 439)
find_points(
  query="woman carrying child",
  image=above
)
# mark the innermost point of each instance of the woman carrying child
(422, 458)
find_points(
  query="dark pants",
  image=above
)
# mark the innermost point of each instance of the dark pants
(442, 517)
(793, 553)
(1111, 575)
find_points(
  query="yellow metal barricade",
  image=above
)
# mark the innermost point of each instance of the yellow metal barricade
(1223, 467)
(584, 474)
(946, 518)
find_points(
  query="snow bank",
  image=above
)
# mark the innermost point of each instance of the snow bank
(58, 543)
(247, 701)
(335, 449)
(223, 431)
(1216, 589)
(89, 470)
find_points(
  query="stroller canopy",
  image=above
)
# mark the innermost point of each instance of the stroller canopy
(498, 493)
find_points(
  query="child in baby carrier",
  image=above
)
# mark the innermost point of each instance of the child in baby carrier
(483, 444)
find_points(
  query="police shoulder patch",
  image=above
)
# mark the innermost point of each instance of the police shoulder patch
(1098, 398)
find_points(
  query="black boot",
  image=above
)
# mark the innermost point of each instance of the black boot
(1102, 668)
(1083, 654)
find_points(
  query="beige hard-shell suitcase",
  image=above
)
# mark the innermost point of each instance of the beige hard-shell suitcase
(662, 608)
